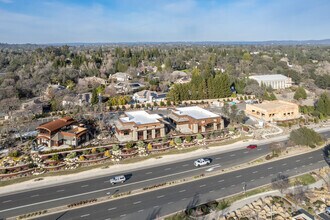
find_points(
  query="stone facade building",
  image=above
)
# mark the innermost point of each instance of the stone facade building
(139, 125)
(193, 120)
(277, 110)
(276, 81)
(63, 131)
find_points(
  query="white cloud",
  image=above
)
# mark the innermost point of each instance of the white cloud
(6, 1)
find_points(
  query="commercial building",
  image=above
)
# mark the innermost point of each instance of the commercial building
(277, 110)
(63, 131)
(195, 120)
(276, 81)
(139, 125)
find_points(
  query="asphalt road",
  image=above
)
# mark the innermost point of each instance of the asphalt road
(324, 216)
(38, 199)
(161, 202)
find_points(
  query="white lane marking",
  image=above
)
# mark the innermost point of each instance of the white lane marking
(167, 169)
(232, 185)
(141, 210)
(61, 190)
(232, 155)
(170, 203)
(297, 161)
(238, 176)
(262, 177)
(252, 180)
(106, 181)
(284, 164)
(320, 161)
(83, 216)
(34, 195)
(123, 215)
(183, 199)
(202, 185)
(211, 191)
(259, 149)
(134, 203)
(107, 219)
(223, 188)
(287, 170)
(303, 166)
(6, 201)
(149, 173)
(311, 164)
(269, 168)
(156, 206)
(296, 168)
(220, 181)
(255, 172)
(158, 197)
(246, 152)
(310, 157)
(182, 190)
(185, 165)
(84, 186)
(271, 174)
(218, 158)
(112, 208)
(100, 190)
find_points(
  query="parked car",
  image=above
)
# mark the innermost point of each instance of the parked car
(202, 162)
(118, 179)
(252, 146)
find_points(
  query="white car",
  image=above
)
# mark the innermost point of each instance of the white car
(202, 162)
(118, 179)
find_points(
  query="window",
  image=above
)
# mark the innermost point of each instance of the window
(126, 132)
(253, 110)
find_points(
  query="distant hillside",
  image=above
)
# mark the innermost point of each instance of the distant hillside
(325, 42)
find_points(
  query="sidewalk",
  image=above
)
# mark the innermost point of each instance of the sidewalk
(167, 159)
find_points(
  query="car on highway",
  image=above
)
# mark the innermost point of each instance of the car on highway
(202, 162)
(118, 179)
(252, 146)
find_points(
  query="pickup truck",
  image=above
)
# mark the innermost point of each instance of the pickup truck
(202, 162)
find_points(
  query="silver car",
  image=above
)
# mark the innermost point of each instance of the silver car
(118, 179)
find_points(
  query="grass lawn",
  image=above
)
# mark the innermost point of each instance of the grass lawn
(305, 179)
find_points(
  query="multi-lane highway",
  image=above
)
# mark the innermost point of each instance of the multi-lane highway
(168, 200)
(38, 199)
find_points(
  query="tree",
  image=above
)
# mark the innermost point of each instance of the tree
(56, 157)
(178, 141)
(323, 104)
(305, 137)
(94, 97)
(300, 94)
(107, 153)
(281, 182)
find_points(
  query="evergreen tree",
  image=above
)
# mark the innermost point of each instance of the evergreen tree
(323, 104)
(94, 97)
(300, 93)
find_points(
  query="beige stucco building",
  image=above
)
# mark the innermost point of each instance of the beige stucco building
(139, 125)
(277, 110)
(195, 120)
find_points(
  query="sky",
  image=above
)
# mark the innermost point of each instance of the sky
(95, 21)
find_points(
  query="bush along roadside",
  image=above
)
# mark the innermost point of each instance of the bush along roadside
(81, 203)
(32, 214)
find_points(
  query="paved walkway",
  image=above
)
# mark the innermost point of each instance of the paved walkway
(167, 159)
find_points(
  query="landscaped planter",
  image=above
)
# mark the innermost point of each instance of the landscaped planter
(128, 153)
(52, 168)
(19, 174)
(86, 162)
(93, 156)
(21, 167)
(163, 148)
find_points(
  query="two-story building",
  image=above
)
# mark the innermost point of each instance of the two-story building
(139, 125)
(63, 131)
(195, 120)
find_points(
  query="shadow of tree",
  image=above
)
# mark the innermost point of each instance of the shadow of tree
(193, 203)
(154, 214)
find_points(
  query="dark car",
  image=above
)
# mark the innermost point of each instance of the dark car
(251, 146)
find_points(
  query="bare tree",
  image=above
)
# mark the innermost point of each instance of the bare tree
(281, 183)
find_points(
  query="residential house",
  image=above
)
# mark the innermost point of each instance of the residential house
(195, 120)
(139, 125)
(63, 131)
(277, 110)
(120, 77)
(125, 87)
(81, 99)
(148, 96)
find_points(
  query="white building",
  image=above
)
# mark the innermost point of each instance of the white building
(276, 81)
(120, 77)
